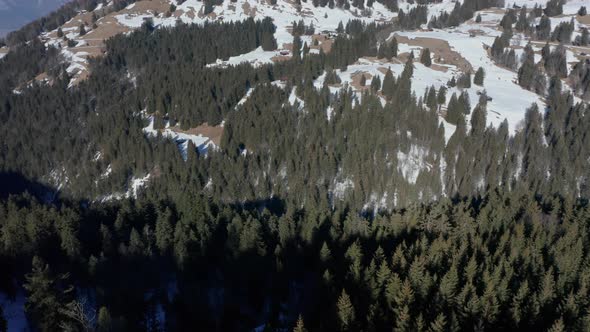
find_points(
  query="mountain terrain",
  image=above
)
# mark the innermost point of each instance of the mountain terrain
(245, 165)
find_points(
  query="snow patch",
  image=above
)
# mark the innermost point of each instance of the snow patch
(256, 58)
(202, 143)
(340, 188)
(411, 163)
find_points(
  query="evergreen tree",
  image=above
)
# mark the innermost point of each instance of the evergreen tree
(439, 324)
(325, 253)
(345, 311)
(376, 84)
(522, 24)
(529, 76)
(104, 322)
(584, 38)
(479, 77)
(425, 58)
(296, 48)
(363, 80)
(393, 47)
(44, 300)
(299, 327)
(544, 28)
(464, 81)
(554, 7)
(442, 95)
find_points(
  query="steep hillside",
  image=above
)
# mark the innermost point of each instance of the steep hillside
(278, 165)
(453, 48)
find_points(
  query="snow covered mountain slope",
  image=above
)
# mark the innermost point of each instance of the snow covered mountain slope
(465, 47)
(455, 51)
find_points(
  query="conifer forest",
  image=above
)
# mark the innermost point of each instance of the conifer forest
(315, 165)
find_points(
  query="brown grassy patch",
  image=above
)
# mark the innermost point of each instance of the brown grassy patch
(82, 76)
(356, 80)
(280, 58)
(476, 32)
(214, 133)
(440, 68)
(249, 10)
(499, 10)
(583, 19)
(142, 7)
(441, 50)
(324, 43)
(383, 70)
(42, 76)
(401, 59)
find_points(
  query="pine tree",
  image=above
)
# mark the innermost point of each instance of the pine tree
(478, 18)
(325, 253)
(363, 80)
(452, 82)
(104, 323)
(354, 255)
(478, 119)
(345, 311)
(403, 321)
(425, 59)
(584, 38)
(544, 28)
(296, 49)
(442, 95)
(497, 48)
(388, 84)
(381, 51)
(164, 231)
(393, 46)
(439, 324)
(479, 77)
(554, 7)
(383, 274)
(558, 326)
(43, 300)
(449, 285)
(299, 327)
(376, 83)
(526, 73)
(522, 24)
(82, 30)
(464, 81)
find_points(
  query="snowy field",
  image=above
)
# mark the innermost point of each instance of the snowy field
(255, 58)
(201, 142)
(509, 100)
